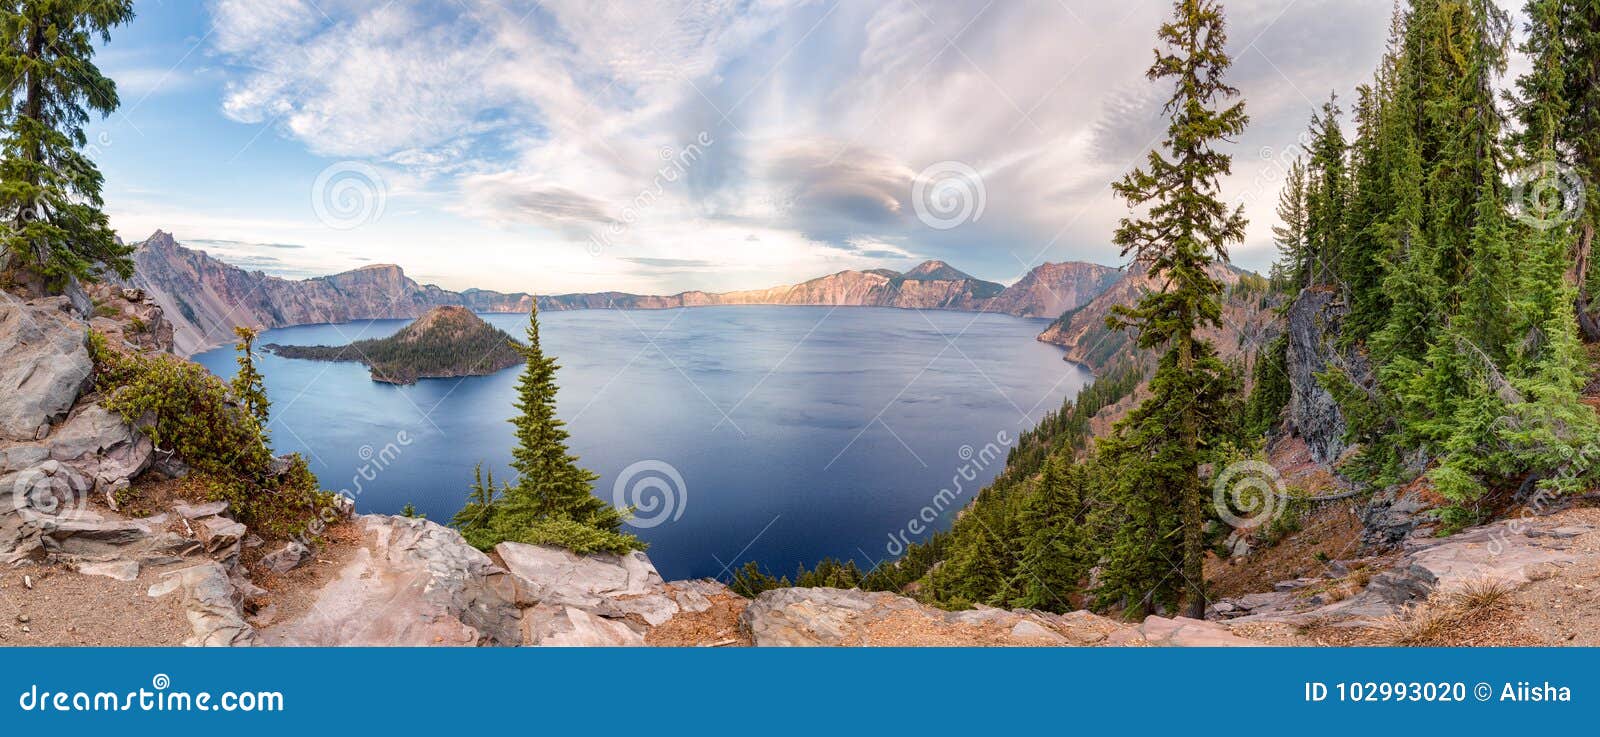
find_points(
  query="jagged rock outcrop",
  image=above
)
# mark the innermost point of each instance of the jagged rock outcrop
(204, 298)
(46, 365)
(411, 582)
(1315, 327)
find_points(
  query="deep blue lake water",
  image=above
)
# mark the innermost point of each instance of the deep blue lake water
(797, 432)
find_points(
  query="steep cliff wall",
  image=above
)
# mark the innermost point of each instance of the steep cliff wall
(1315, 325)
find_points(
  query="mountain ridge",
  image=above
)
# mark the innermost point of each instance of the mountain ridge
(206, 297)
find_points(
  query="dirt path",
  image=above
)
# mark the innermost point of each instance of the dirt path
(70, 609)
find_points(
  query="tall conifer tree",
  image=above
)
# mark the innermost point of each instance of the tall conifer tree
(1184, 231)
(49, 190)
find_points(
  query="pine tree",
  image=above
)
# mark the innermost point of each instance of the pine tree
(1292, 269)
(552, 500)
(249, 386)
(1186, 230)
(476, 520)
(1056, 554)
(49, 190)
(1558, 106)
(1326, 198)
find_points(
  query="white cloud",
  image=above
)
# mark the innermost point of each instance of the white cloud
(547, 121)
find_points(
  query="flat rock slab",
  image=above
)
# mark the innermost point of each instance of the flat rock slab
(549, 625)
(821, 617)
(1178, 632)
(411, 583)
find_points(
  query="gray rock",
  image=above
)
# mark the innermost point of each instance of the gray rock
(121, 570)
(822, 617)
(102, 446)
(219, 533)
(412, 582)
(197, 511)
(287, 558)
(1179, 632)
(614, 586)
(692, 601)
(1316, 320)
(552, 625)
(20, 457)
(110, 538)
(1392, 516)
(46, 365)
(211, 604)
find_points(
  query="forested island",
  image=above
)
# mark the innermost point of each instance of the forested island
(445, 342)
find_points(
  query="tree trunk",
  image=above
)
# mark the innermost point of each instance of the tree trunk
(1579, 275)
(33, 109)
(1193, 506)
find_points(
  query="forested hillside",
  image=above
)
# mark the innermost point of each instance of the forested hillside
(1440, 224)
(443, 342)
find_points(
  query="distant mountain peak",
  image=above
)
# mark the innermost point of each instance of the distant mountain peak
(936, 270)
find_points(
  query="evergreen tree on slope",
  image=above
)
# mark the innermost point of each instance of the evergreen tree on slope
(1186, 229)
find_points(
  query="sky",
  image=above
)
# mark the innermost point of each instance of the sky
(656, 147)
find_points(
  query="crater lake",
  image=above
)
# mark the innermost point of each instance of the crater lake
(776, 434)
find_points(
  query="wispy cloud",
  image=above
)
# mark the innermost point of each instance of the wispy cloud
(553, 118)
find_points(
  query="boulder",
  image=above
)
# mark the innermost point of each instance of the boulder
(46, 365)
(210, 603)
(410, 583)
(287, 558)
(219, 533)
(606, 585)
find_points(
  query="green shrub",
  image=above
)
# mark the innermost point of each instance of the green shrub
(198, 418)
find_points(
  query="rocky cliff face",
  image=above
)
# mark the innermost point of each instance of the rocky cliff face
(1247, 322)
(205, 299)
(1052, 289)
(1316, 320)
